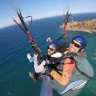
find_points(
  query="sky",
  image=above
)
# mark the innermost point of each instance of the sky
(42, 8)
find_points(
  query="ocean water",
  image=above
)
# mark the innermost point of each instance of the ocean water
(14, 46)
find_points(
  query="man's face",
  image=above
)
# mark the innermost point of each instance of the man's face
(74, 46)
(51, 50)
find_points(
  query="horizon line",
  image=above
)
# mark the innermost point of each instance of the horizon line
(39, 18)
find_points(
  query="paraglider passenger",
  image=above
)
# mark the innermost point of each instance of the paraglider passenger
(74, 71)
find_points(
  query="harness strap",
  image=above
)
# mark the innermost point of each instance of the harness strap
(89, 77)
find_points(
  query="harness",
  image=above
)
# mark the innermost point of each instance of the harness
(73, 84)
(71, 56)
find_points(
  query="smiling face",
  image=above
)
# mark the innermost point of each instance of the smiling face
(74, 46)
(51, 50)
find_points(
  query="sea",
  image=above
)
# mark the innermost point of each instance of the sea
(15, 45)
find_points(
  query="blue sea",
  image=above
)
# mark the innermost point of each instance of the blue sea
(14, 46)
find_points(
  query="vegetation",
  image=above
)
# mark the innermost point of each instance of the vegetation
(86, 25)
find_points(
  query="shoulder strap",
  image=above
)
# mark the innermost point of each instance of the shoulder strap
(71, 57)
(81, 71)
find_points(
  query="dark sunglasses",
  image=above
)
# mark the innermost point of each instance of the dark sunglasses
(76, 45)
(50, 48)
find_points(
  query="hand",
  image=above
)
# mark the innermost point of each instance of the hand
(35, 56)
(48, 39)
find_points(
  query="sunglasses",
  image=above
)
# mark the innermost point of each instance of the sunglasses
(50, 48)
(76, 45)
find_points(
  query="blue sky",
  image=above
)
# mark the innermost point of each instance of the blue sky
(43, 8)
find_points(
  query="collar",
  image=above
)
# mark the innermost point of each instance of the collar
(77, 54)
(57, 55)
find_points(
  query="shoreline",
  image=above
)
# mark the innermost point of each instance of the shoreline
(88, 31)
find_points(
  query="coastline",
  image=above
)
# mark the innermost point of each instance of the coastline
(86, 25)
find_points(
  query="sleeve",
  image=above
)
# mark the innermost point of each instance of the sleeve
(39, 68)
(68, 69)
